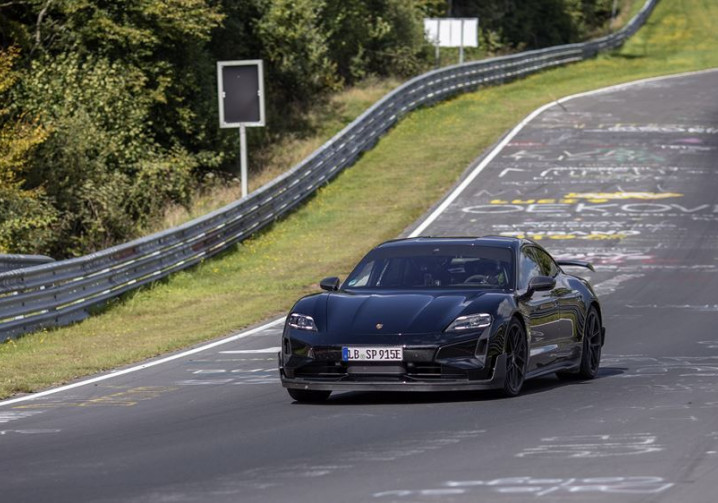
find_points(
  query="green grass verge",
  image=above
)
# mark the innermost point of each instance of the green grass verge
(325, 118)
(387, 190)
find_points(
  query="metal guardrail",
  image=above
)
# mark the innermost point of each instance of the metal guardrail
(11, 262)
(61, 292)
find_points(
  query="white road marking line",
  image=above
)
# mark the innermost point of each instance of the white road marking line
(605, 288)
(200, 382)
(251, 371)
(143, 366)
(251, 351)
(29, 432)
(6, 417)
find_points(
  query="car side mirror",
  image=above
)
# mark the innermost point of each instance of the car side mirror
(540, 284)
(330, 284)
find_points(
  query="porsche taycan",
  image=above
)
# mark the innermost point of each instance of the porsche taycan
(432, 314)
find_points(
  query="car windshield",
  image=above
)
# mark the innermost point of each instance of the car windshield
(434, 266)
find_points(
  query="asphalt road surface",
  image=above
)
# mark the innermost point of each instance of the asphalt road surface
(626, 178)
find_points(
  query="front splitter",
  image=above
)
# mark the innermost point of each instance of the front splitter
(496, 381)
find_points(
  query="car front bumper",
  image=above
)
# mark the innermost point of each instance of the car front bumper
(382, 382)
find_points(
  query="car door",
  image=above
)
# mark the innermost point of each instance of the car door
(568, 302)
(541, 310)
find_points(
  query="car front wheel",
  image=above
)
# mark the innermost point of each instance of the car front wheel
(516, 359)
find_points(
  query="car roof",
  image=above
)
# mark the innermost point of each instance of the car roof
(492, 241)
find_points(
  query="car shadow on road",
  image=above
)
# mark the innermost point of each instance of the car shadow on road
(531, 387)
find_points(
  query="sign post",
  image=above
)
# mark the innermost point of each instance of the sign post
(613, 13)
(240, 91)
(243, 157)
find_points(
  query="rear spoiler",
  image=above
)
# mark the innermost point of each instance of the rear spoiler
(577, 263)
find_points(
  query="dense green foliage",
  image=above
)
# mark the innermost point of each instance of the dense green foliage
(518, 24)
(109, 107)
(24, 214)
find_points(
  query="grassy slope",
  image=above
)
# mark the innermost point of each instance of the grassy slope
(387, 190)
(324, 120)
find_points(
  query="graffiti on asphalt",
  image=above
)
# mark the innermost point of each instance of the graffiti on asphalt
(537, 487)
(594, 446)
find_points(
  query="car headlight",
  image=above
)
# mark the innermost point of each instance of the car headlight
(469, 322)
(301, 321)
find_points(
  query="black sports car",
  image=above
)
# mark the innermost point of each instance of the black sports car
(429, 314)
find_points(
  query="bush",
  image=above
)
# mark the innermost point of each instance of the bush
(25, 214)
(535, 24)
(99, 164)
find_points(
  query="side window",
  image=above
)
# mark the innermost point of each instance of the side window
(547, 264)
(528, 267)
(362, 278)
(393, 274)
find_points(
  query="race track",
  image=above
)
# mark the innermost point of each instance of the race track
(626, 178)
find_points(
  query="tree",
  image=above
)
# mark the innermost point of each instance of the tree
(383, 37)
(100, 164)
(25, 214)
(116, 100)
(539, 23)
(295, 47)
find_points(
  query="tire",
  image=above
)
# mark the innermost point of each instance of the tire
(590, 349)
(516, 359)
(308, 396)
(592, 342)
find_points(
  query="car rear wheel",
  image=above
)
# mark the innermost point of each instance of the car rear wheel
(308, 396)
(516, 359)
(590, 350)
(592, 335)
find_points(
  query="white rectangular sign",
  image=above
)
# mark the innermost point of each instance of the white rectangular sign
(452, 32)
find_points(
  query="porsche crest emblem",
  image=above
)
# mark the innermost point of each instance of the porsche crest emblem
(379, 326)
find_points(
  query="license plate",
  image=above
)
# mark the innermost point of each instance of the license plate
(372, 354)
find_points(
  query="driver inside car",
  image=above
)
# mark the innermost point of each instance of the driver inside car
(483, 271)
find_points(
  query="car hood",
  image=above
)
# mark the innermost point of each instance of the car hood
(395, 313)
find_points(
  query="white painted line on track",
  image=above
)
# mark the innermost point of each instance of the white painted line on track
(154, 363)
(251, 351)
(516, 130)
(429, 220)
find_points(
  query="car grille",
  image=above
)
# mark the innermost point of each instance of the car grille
(377, 372)
(320, 369)
(464, 349)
